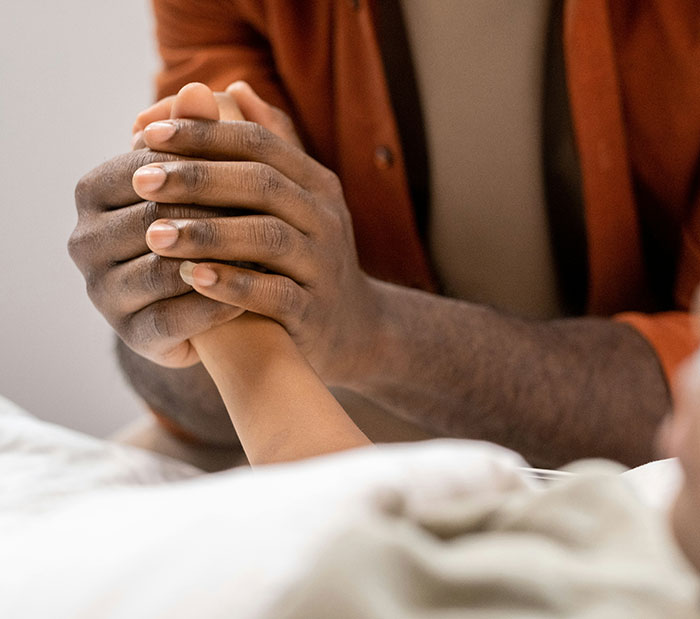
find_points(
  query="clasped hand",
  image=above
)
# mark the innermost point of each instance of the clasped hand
(213, 193)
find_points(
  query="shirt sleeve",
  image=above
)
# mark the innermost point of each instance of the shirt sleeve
(661, 62)
(215, 42)
(675, 335)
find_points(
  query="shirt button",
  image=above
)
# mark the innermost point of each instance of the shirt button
(383, 157)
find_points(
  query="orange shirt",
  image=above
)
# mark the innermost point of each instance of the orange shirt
(633, 73)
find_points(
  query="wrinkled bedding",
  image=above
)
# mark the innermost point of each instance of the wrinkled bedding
(91, 529)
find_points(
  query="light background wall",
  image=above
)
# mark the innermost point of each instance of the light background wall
(73, 74)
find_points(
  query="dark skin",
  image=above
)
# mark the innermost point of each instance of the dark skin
(553, 390)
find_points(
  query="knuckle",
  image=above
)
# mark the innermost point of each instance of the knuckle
(274, 237)
(124, 326)
(335, 222)
(152, 275)
(140, 158)
(194, 177)
(94, 189)
(159, 277)
(270, 182)
(160, 323)
(199, 132)
(94, 280)
(202, 233)
(149, 214)
(256, 140)
(241, 286)
(75, 246)
(286, 298)
(332, 181)
(82, 244)
(83, 190)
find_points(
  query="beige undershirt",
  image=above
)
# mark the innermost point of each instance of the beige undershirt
(479, 66)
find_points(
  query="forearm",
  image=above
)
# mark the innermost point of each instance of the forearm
(188, 397)
(553, 390)
(279, 407)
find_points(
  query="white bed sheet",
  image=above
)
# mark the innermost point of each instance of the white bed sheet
(91, 529)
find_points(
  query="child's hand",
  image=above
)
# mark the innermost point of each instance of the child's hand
(238, 102)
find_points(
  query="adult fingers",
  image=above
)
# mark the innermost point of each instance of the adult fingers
(190, 102)
(161, 329)
(263, 240)
(109, 185)
(245, 184)
(120, 234)
(235, 141)
(271, 295)
(143, 281)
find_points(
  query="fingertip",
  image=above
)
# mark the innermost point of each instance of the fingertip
(204, 276)
(186, 269)
(161, 235)
(195, 100)
(158, 132)
(238, 86)
(148, 179)
(241, 88)
(193, 87)
(198, 275)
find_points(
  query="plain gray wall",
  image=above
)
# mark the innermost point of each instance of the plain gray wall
(73, 74)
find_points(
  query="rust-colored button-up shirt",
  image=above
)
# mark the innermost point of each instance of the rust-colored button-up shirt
(633, 74)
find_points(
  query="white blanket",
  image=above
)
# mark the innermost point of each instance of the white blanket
(93, 529)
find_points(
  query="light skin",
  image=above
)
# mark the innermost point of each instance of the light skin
(553, 390)
(279, 408)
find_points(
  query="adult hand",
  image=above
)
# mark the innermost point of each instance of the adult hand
(141, 294)
(298, 227)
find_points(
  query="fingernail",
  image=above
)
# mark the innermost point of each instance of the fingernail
(186, 269)
(160, 131)
(136, 139)
(149, 178)
(204, 276)
(161, 235)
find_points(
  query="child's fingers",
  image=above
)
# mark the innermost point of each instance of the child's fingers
(228, 108)
(259, 111)
(158, 111)
(189, 103)
(195, 100)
